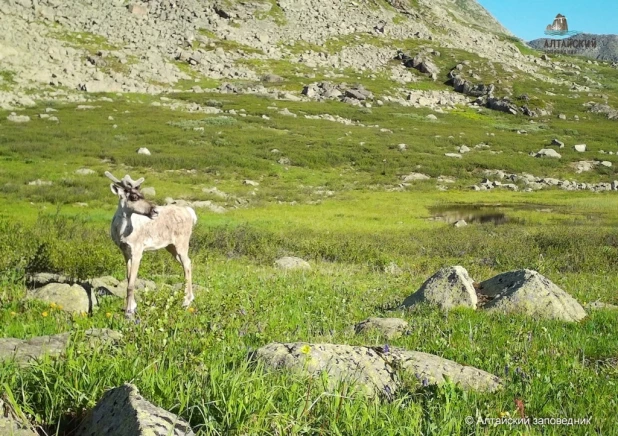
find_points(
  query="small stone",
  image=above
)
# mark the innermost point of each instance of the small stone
(138, 10)
(413, 177)
(580, 148)
(144, 151)
(460, 223)
(390, 328)
(557, 142)
(18, 118)
(85, 172)
(292, 263)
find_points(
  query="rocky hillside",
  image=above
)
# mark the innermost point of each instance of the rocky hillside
(600, 47)
(55, 49)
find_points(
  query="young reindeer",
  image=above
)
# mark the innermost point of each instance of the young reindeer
(139, 225)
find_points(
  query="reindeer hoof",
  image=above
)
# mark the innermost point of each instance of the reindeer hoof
(129, 314)
(186, 303)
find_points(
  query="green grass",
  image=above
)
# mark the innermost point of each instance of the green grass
(195, 363)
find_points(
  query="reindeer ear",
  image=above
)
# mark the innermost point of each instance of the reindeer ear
(117, 190)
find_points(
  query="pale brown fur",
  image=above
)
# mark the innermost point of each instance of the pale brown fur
(138, 225)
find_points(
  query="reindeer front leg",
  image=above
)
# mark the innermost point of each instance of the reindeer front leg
(132, 268)
(186, 265)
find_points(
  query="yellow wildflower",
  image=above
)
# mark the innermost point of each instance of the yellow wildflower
(108, 314)
(44, 314)
(503, 414)
(13, 314)
(305, 349)
(53, 305)
(191, 309)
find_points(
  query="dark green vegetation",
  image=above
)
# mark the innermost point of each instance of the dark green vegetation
(194, 363)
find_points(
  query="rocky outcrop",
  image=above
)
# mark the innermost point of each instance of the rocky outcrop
(599, 108)
(420, 62)
(329, 91)
(122, 411)
(25, 350)
(449, 288)
(138, 45)
(529, 293)
(528, 182)
(373, 370)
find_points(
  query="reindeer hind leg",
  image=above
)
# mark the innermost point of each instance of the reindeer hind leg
(183, 259)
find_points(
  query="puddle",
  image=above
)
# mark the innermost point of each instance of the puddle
(482, 213)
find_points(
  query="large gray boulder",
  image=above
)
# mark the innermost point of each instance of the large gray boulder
(24, 351)
(449, 288)
(372, 370)
(390, 328)
(71, 298)
(122, 411)
(530, 293)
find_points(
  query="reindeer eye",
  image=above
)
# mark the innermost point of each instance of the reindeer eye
(133, 197)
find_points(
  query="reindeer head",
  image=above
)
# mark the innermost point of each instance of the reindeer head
(131, 199)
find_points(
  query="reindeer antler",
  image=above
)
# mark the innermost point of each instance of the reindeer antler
(128, 181)
(113, 178)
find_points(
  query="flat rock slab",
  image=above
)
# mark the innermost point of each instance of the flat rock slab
(432, 369)
(26, 350)
(122, 411)
(530, 293)
(449, 288)
(390, 328)
(598, 305)
(72, 298)
(289, 263)
(362, 366)
(10, 427)
(108, 285)
(373, 370)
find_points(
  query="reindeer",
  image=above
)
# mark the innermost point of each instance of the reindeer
(139, 225)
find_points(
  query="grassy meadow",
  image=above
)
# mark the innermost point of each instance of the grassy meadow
(329, 193)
